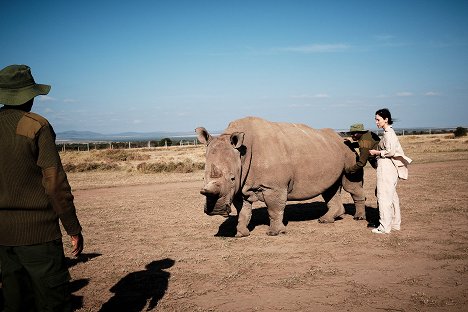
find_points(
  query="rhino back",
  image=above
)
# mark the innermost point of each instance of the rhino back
(304, 160)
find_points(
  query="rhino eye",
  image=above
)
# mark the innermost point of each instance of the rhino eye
(233, 177)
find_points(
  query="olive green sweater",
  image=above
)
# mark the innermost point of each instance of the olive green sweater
(34, 190)
(368, 141)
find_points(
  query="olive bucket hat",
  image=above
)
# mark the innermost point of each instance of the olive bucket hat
(357, 127)
(17, 85)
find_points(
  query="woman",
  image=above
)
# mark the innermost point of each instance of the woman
(391, 165)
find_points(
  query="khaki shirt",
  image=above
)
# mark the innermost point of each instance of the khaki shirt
(390, 147)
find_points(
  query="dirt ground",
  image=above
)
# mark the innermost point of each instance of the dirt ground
(151, 247)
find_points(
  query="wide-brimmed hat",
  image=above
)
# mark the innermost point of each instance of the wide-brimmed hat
(17, 85)
(357, 127)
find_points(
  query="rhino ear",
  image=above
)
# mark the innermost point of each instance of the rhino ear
(237, 138)
(203, 136)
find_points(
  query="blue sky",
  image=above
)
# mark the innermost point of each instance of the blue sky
(175, 65)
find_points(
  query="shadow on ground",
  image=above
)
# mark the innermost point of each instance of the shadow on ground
(84, 257)
(140, 289)
(293, 213)
(77, 301)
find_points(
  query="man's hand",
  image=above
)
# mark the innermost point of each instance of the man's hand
(78, 243)
(348, 170)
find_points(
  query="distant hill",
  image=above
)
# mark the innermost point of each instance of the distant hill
(124, 136)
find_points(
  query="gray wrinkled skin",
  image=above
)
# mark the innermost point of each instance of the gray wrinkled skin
(254, 159)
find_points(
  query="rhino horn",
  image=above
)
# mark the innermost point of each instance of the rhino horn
(212, 188)
(215, 172)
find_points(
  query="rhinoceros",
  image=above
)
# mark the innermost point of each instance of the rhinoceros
(273, 162)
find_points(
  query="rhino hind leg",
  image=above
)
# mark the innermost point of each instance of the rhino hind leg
(335, 206)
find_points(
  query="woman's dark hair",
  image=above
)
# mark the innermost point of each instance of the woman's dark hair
(385, 113)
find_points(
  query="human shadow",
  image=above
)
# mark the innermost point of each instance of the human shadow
(77, 301)
(292, 213)
(132, 292)
(84, 257)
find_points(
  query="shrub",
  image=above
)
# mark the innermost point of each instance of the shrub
(165, 141)
(459, 132)
(185, 166)
(122, 155)
(89, 166)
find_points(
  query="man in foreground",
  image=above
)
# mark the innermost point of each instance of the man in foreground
(34, 195)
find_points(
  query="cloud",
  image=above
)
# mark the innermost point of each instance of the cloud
(432, 93)
(307, 96)
(46, 98)
(404, 93)
(315, 48)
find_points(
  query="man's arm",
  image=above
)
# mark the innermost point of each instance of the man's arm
(57, 187)
(361, 162)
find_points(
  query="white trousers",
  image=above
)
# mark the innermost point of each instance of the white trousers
(387, 197)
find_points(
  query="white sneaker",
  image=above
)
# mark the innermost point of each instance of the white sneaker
(377, 231)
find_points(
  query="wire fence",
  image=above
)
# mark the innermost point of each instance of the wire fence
(82, 145)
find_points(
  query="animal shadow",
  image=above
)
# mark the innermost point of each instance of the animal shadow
(292, 213)
(372, 214)
(132, 292)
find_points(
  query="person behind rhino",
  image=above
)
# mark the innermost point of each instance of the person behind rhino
(34, 196)
(364, 140)
(392, 166)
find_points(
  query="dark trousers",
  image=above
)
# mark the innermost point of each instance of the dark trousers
(35, 278)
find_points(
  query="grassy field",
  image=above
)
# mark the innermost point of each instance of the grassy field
(101, 168)
(149, 245)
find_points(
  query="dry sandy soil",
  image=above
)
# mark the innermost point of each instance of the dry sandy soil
(149, 246)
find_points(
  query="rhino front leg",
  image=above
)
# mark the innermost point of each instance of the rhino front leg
(332, 198)
(244, 216)
(275, 202)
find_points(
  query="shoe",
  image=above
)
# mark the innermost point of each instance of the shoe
(377, 231)
(372, 225)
